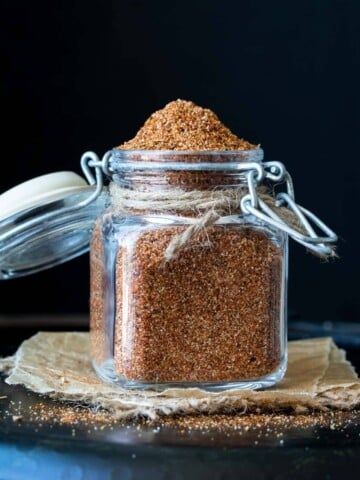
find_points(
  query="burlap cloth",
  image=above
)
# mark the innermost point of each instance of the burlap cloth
(58, 365)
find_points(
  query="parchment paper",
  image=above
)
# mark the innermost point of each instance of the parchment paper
(59, 365)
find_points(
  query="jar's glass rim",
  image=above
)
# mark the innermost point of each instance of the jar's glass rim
(131, 160)
(251, 153)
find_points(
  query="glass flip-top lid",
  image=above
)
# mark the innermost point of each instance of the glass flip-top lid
(48, 220)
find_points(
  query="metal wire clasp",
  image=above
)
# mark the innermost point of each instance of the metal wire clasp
(90, 160)
(252, 204)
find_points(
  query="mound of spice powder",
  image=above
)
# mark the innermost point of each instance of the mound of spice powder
(214, 313)
(183, 125)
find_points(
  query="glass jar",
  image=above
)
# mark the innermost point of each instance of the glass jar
(213, 314)
(188, 261)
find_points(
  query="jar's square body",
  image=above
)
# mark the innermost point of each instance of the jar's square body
(214, 316)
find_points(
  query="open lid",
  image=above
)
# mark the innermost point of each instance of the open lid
(47, 221)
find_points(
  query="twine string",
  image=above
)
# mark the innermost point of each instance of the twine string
(207, 205)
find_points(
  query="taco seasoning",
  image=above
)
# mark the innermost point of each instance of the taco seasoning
(186, 289)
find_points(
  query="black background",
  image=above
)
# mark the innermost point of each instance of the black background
(82, 75)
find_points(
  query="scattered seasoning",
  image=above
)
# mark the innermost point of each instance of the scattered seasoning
(268, 424)
(211, 315)
(263, 427)
(47, 414)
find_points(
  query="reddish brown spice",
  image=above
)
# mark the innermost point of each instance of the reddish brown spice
(209, 315)
(212, 314)
(45, 415)
(182, 125)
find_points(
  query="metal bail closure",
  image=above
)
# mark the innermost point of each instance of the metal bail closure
(321, 245)
(48, 220)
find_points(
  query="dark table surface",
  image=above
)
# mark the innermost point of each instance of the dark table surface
(30, 449)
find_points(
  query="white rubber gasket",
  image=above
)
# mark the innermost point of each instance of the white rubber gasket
(40, 190)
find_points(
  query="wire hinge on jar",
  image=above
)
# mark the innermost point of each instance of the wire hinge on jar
(252, 204)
